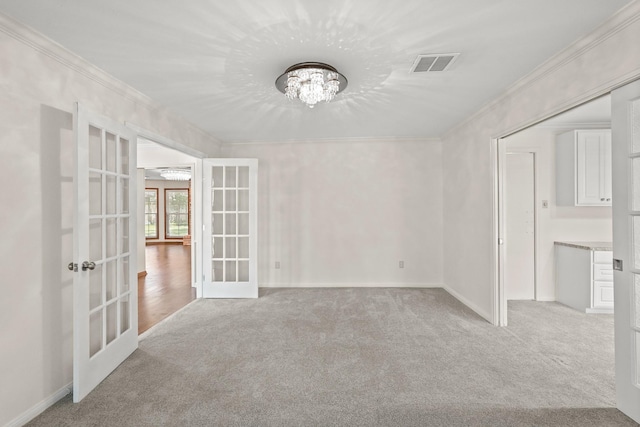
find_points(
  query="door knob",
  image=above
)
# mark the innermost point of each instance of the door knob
(88, 265)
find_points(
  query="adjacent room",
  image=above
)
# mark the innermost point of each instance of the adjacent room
(320, 213)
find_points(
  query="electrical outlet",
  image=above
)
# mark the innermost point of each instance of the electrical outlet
(401, 264)
(277, 265)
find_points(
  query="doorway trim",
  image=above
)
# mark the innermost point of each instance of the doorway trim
(196, 169)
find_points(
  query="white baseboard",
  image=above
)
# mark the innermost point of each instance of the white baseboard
(350, 285)
(472, 306)
(39, 408)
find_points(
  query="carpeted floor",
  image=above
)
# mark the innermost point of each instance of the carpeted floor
(359, 357)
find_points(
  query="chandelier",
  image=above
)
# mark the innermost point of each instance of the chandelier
(176, 174)
(311, 82)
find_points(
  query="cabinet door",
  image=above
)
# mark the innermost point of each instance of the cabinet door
(593, 187)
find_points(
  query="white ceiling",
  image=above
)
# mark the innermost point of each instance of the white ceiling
(215, 62)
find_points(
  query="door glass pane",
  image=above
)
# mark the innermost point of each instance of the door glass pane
(111, 194)
(217, 247)
(218, 224)
(636, 242)
(124, 156)
(230, 224)
(124, 230)
(243, 200)
(217, 174)
(636, 290)
(111, 275)
(230, 177)
(111, 148)
(124, 195)
(230, 271)
(95, 287)
(230, 201)
(95, 332)
(243, 223)
(230, 247)
(124, 314)
(112, 321)
(95, 193)
(243, 247)
(243, 271)
(124, 274)
(243, 176)
(111, 237)
(95, 147)
(637, 356)
(218, 275)
(635, 171)
(635, 125)
(217, 200)
(95, 239)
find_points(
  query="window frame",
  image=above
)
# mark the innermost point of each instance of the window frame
(166, 214)
(157, 236)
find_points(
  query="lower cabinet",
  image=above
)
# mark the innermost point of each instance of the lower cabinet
(584, 276)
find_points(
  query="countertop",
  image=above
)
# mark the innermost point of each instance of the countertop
(592, 246)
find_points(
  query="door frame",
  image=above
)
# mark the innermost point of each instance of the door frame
(500, 305)
(196, 197)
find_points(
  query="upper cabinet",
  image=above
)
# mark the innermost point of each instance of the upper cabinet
(583, 168)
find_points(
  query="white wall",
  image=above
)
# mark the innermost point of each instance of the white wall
(345, 213)
(564, 223)
(39, 84)
(161, 185)
(591, 67)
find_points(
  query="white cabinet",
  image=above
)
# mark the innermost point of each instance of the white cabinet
(584, 276)
(583, 168)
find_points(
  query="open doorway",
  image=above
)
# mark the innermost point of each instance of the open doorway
(550, 215)
(166, 267)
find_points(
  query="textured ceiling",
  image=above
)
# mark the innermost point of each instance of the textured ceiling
(215, 62)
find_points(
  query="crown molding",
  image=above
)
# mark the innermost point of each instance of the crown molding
(345, 140)
(625, 17)
(52, 49)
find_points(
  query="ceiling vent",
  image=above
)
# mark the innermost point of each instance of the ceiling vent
(433, 62)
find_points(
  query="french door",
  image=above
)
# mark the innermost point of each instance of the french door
(105, 297)
(625, 127)
(230, 217)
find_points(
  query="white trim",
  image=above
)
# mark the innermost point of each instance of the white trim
(40, 407)
(352, 285)
(167, 142)
(469, 304)
(618, 22)
(575, 125)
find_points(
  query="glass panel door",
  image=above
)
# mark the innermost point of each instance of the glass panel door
(230, 200)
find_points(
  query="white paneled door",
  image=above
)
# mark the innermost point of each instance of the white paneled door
(625, 127)
(230, 217)
(520, 223)
(105, 298)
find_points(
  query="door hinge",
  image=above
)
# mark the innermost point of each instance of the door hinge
(500, 241)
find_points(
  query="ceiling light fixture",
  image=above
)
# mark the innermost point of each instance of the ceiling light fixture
(176, 174)
(311, 82)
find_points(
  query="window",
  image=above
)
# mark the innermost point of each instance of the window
(176, 213)
(151, 213)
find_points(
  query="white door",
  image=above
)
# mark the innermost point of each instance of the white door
(105, 290)
(230, 217)
(520, 225)
(625, 125)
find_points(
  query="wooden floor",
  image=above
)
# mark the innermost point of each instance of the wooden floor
(167, 286)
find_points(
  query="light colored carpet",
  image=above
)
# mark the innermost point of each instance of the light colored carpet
(359, 357)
